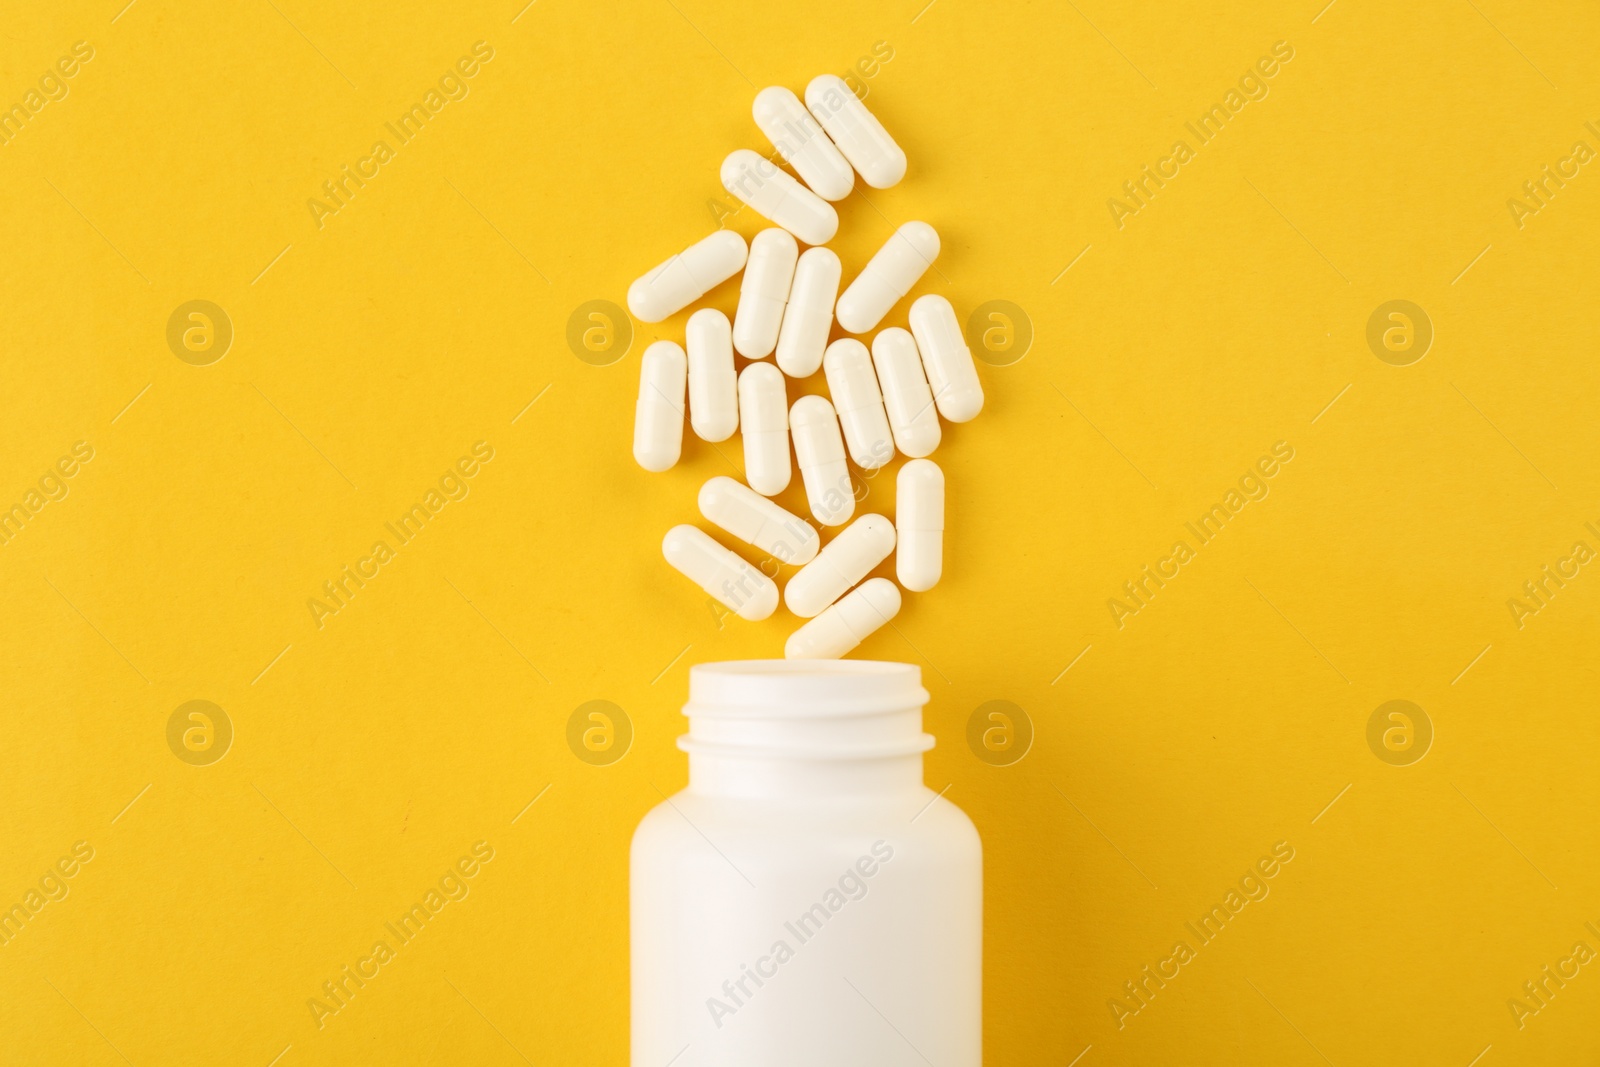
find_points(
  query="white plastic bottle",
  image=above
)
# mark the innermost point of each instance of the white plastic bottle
(806, 899)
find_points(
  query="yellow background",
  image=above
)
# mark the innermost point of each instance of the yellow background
(369, 354)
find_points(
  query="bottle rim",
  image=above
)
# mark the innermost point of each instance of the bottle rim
(803, 689)
(814, 753)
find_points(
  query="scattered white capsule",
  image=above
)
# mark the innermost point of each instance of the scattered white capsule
(952, 375)
(854, 387)
(912, 416)
(763, 291)
(847, 623)
(842, 563)
(888, 276)
(686, 277)
(713, 386)
(740, 587)
(768, 189)
(755, 520)
(819, 452)
(857, 131)
(764, 417)
(658, 416)
(919, 525)
(802, 144)
(809, 316)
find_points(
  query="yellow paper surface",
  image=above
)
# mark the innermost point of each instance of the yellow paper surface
(1181, 328)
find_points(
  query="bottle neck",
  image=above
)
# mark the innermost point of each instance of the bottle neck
(796, 729)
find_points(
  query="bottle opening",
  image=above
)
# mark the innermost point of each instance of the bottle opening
(795, 689)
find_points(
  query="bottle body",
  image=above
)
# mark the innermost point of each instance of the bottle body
(806, 899)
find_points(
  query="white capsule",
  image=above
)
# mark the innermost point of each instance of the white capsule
(763, 291)
(755, 520)
(857, 131)
(854, 387)
(809, 315)
(740, 587)
(686, 277)
(713, 387)
(847, 623)
(819, 452)
(952, 375)
(842, 563)
(919, 525)
(764, 418)
(768, 189)
(658, 415)
(802, 144)
(912, 416)
(888, 276)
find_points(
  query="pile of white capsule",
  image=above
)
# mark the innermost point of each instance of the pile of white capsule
(888, 400)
